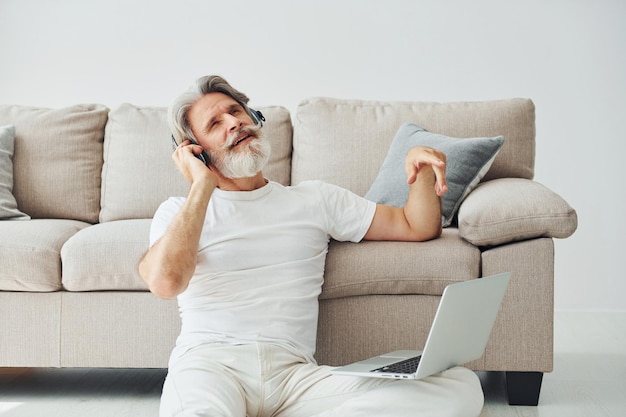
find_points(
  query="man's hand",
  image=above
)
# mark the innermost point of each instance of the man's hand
(419, 157)
(190, 166)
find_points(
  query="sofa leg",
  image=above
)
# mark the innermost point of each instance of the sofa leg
(523, 388)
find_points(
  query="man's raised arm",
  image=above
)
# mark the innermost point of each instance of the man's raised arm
(420, 218)
(170, 263)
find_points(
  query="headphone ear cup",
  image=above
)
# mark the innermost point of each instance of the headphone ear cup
(204, 157)
(257, 117)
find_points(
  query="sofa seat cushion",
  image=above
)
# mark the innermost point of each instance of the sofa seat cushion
(105, 256)
(30, 258)
(385, 268)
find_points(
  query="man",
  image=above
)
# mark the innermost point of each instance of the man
(245, 258)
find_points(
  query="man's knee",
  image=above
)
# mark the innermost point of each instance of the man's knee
(467, 394)
(185, 396)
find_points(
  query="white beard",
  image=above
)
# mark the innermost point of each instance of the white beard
(243, 163)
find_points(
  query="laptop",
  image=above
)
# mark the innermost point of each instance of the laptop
(459, 333)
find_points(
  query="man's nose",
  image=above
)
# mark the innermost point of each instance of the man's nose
(232, 122)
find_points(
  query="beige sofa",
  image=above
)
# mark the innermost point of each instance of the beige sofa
(90, 179)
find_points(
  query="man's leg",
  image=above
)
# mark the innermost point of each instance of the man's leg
(311, 390)
(452, 393)
(206, 381)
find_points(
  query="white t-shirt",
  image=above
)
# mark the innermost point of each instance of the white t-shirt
(261, 260)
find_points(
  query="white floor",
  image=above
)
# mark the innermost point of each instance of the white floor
(589, 380)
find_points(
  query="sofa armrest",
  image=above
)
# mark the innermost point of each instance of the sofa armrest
(512, 209)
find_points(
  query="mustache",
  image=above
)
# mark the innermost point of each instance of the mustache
(252, 130)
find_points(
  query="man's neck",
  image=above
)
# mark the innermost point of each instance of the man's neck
(242, 184)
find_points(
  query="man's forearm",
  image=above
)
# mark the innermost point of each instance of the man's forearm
(170, 263)
(423, 207)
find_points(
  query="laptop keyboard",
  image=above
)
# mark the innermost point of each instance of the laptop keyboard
(407, 366)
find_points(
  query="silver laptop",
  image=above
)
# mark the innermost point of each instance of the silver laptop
(459, 333)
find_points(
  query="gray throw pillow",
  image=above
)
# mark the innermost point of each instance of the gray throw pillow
(8, 205)
(468, 160)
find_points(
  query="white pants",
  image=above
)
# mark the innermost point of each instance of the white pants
(261, 381)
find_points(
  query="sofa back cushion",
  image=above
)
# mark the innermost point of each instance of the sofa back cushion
(57, 160)
(344, 142)
(139, 174)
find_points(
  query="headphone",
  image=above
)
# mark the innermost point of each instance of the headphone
(257, 118)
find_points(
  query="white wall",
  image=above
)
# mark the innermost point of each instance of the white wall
(567, 55)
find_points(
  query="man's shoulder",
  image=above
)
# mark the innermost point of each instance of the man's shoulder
(171, 204)
(314, 185)
(307, 184)
(175, 201)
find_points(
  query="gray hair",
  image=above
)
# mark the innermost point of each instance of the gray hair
(177, 112)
